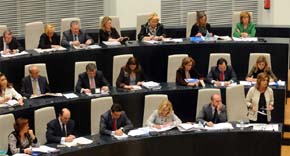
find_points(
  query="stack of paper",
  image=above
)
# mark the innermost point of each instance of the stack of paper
(139, 131)
(70, 95)
(185, 127)
(122, 137)
(265, 127)
(220, 126)
(44, 149)
(49, 50)
(46, 95)
(162, 129)
(151, 85)
(192, 80)
(9, 103)
(249, 39)
(78, 141)
(94, 46)
(12, 55)
(151, 42)
(111, 43)
(173, 40)
(224, 38)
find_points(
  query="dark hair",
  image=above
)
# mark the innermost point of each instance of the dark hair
(74, 22)
(9, 85)
(132, 61)
(116, 108)
(20, 123)
(91, 67)
(221, 61)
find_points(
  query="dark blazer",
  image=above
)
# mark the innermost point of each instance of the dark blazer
(105, 35)
(14, 44)
(124, 78)
(215, 73)
(54, 132)
(44, 42)
(68, 36)
(180, 76)
(106, 123)
(27, 89)
(83, 81)
(160, 31)
(194, 30)
(206, 114)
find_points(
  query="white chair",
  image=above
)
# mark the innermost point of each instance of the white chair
(191, 19)
(6, 126)
(236, 103)
(65, 24)
(254, 56)
(41, 68)
(79, 68)
(236, 19)
(174, 61)
(98, 107)
(151, 103)
(41, 117)
(203, 98)
(33, 32)
(141, 19)
(115, 23)
(2, 29)
(118, 62)
(213, 58)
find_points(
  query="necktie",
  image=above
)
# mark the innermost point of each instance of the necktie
(114, 124)
(75, 37)
(63, 131)
(215, 116)
(222, 76)
(92, 83)
(34, 87)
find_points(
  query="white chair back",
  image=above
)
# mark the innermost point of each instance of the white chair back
(33, 32)
(204, 96)
(6, 126)
(118, 62)
(79, 68)
(254, 56)
(191, 19)
(213, 58)
(41, 67)
(141, 19)
(174, 61)
(65, 24)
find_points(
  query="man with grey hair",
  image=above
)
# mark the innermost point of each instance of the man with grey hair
(91, 79)
(75, 36)
(9, 44)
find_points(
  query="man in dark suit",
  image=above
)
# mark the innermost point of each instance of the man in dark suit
(61, 129)
(9, 44)
(215, 112)
(115, 121)
(91, 79)
(222, 74)
(34, 84)
(75, 36)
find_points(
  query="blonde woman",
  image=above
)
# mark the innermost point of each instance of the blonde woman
(49, 39)
(201, 27)
(245, 28)
(109, 33)
(152, 30)
(163, 117)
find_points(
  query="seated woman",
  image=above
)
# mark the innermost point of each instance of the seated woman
(163, 117)
(187, 71)
(49, 39)
(152, 30)
(7, 92)
(201, 27)
(131, 74)
(260, 98)
(109, 33)
(21, 140)
(245, 28)
(261, 66)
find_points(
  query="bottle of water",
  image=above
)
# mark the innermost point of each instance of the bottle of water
(200, 124)
(207, 36)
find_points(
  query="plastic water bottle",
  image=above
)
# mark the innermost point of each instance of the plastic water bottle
(242, 124)
(207, 36)
(200, 124)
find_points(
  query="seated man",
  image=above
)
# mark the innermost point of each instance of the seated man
(61, 129)
(222, 72)
(9, 44)
(115, 121)
(215, 112)
(34, 84)
(91, 79)
(75, 36)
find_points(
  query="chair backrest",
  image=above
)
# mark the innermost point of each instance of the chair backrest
(236, 19)
(65, 24)
(2, 29)
(33, 32)
(254, 56)
(98, 107)
(118, 62)
(213, 58)
(115, 23)
(79, 68)
(151, 103)
(41, 117)
(204, 97)
(236, 103)
(6, 126)
(191, 19)
(41, 68)
(141, 19)
(174, 61)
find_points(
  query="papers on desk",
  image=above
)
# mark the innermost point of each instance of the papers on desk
(136, 87)
(263, 127)
(116, 43)
(94, 46)
(12, 55)
(249, 39)
(278, 83)
(46, 95)
(139, 131)
(70, 95)
(151, 42)
(44, 149)
(223, 84)
(246, 83)
(151, 85)
(191, 80)
(220, 126)
(78, 141)
(9, 103)
(224, 38)
(172, 40)
(21, 154)
(122, 137)
(162, 129)
(49, 50)
(186, 127)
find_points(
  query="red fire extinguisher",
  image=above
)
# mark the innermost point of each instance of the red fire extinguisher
(267, 4)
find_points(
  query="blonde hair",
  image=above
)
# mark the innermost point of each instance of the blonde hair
(260, 78)
(165, 104)
(49, 27)
(243, 15)
(104, 21)
(187, 60)
(261, 59)
(152, 16)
